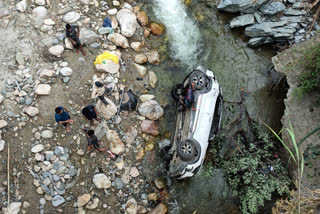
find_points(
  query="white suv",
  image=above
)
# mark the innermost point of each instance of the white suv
(196, 125)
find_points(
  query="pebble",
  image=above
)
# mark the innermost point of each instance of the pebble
(37, 148)
(57, 200)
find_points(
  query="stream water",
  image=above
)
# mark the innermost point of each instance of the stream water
(199, 34)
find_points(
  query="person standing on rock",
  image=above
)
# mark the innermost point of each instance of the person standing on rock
(89, 113)
(99, 90)
(72, 33)
(63, 117)
(93, 141)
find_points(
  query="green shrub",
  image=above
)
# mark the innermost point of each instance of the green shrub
(245, 166)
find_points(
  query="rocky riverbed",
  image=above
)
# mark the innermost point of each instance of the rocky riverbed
(51, 170)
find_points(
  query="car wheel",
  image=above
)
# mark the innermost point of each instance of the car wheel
(187, 150)
(199, 78)
(175, 91)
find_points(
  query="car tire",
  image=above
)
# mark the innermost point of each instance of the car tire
(174, 92)
(187, 150)
(199, 78)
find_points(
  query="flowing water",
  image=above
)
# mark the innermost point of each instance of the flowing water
(199, 35)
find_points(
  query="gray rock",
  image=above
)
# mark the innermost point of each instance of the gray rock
(60, 35)
(66, 79)
(65, 157)
(28, 101)
(20, 58)
(57, 200)
(292, 1)
(242, 20)
(2, 144)
(39, 13)
(88, 36)
(272, 8)
(298, 5)
(266, 29)
(105, 30)
(259, 41)
(58, 150)
(66, 71)
(95, 45)
(127, 21)
(47, 134)
(294, 12)
(118, 183)
(56, 165)
(292, 19)
(258, 17)
(101, 130)
(151, 110)
(235, 5)
(71, 17)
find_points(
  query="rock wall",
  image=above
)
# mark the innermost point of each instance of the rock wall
(304, 113)
(269, 21)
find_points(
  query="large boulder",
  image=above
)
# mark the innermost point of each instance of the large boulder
(87, 36)
(150, 127)
(151, 110)
(39, 13)
(243, 20)
(116, 145)
(108, 66)
(127, 21)
(101, 181)
(42, 89)
(118, 40)
(56, 50)
(106, 111)
(71, 17)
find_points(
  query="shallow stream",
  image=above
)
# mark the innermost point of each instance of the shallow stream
(199, 34)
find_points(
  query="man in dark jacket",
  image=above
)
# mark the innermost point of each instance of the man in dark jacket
(72, 33)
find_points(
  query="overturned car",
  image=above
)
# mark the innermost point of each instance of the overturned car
(199, 111)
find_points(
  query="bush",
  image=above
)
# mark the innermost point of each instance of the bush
(247, 168)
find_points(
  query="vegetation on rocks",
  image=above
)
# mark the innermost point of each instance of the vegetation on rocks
(310, 79)
(251, 167)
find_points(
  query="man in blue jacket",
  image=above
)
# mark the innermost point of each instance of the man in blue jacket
(63, 117)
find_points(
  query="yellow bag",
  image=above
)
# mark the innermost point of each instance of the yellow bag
(104, 56)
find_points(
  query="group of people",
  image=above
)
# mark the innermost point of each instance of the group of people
(89, 113)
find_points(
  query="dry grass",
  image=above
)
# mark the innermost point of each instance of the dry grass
(309, 203)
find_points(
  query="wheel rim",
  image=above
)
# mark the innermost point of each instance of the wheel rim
(186, 149)
(199, 80)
